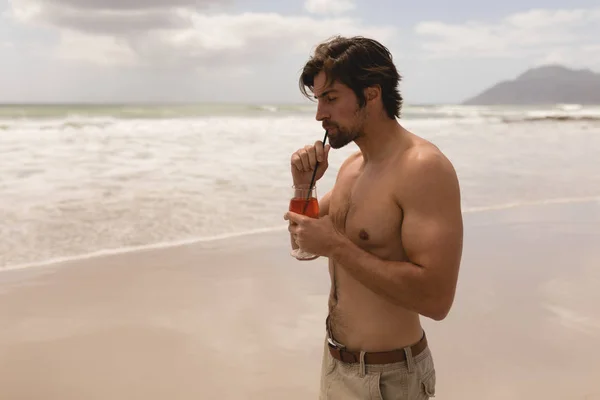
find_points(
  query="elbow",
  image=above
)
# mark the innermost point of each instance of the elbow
(441, 298)
(438, 315)
(439, 309)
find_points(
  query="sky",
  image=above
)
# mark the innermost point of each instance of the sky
(122, 51)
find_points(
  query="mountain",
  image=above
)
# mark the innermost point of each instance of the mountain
(550, 84)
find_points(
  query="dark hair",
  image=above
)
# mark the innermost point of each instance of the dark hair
(358, 63)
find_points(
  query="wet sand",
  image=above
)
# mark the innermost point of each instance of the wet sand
(240, 319)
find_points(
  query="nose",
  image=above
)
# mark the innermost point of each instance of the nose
(321, 112)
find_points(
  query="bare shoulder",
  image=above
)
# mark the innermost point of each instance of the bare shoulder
(427, 172)
(427, 158)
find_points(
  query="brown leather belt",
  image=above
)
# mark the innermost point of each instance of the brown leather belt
(382, 357)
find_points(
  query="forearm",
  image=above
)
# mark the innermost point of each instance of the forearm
(402, 283)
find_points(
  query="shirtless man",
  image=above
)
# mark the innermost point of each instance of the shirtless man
(391, 227)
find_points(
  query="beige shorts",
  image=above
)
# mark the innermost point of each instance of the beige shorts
(412, 379)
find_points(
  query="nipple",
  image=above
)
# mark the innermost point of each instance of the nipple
(363, 235)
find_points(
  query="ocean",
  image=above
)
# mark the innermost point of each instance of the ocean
(82, 180)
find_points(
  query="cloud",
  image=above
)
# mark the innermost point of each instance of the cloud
(123, 4)
(178, 35)
(101, 50)
(540, 34)
(329, 6)
(571, 56)
(112, 17)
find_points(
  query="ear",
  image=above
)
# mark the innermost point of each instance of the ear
(372, 93)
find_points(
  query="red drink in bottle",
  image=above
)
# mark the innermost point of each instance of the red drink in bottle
(309, 207)
(304, 202)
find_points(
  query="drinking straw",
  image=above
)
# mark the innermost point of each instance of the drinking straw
(312, 180)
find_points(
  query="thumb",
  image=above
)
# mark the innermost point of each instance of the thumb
(327, 148)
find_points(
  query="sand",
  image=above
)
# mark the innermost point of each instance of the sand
(240, 319)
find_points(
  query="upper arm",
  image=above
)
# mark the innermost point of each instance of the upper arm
(432, 228)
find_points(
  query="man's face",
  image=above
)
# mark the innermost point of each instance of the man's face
(339, 112)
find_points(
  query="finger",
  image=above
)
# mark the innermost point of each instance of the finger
(297, 162)
(292, 216)
(312, 156)
(320, 151)
(305, 160)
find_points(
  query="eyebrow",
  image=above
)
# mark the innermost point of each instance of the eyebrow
(325, 93)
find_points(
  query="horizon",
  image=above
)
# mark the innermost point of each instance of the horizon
(259, 103)
(307, 102)
(286, 104)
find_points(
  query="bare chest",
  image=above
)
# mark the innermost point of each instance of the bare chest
(364, 209)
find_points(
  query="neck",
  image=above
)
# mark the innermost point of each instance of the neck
(379, 139)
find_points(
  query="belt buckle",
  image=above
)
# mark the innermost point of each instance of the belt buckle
(341, 351)
(334, 344)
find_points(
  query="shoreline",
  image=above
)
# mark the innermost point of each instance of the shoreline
(227, 236)
(135, 249)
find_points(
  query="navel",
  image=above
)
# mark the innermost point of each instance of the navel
(363, 235)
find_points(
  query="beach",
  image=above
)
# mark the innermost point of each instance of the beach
(144, 255)
(238, 318)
